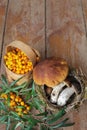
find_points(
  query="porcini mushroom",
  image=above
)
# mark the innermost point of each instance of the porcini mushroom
(50, 72)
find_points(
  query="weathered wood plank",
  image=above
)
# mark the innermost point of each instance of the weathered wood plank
(3, 5)
(25, 22)
(66, 35)
(84, 7)
(2, 127)
(79, 117)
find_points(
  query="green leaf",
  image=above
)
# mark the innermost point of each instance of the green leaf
(43, 127)
(15, 115)
(45, 118)
(35, 121)
(2, 106)
(32, 121)
(17, 125)
(62, 124)
(42, 114)
(25, 90)
(20, 86)
(8, 124)
(57, 116)
(28, 127)
(68, 124)
(4, 80)
(33, 90)
(28, 96)
(3, 118)
(14, 82)
(3, 87)
(37, 104)
(7, 91)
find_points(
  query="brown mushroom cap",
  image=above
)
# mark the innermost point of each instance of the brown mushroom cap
(50, 72)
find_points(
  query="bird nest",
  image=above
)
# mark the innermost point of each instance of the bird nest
(81, 94)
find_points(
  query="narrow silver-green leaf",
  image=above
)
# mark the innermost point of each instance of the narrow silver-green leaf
(25, 90)
(42, 114)
(57, 116)
(43, 127)
(3, 118)
(8, 124)
(14, 82)
(61, 124)
(15, 115)
(4, 80)
(3, 87)
(20, 86)
(33, 90)
(17, 125)
(2, 106)
(68, 124)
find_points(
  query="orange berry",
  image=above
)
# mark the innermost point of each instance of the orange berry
(4, 96)
(17, 72)
(16, 100)
(12, 96)
(12, 103)
(5, 57)
(17, 50)
(18, 109)
(19, 99)
(11, 93)
(25, 105)
(26, 70)
(22, 103)
(23, 62)
(25, 112)
(19, 113)
(23, 67)
(22, 72)
(28, 107)
(6, 63)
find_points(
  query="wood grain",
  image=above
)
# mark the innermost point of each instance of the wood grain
(3, 5)
(25, 22)
(84, 7)
(66, 36)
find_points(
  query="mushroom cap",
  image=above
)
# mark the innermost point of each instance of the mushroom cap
(50, 72)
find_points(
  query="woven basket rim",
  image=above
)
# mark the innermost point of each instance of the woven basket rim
(77, 101)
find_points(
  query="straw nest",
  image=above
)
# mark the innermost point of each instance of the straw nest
(80, 90)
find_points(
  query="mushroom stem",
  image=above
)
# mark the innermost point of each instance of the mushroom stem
(56, 90)
(65, 95)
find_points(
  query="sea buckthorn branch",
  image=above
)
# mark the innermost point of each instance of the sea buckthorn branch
(16, 110)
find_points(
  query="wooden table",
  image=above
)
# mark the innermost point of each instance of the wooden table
(53, 27)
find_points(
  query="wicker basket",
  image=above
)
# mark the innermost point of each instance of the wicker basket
(31, 53)
(77, 101)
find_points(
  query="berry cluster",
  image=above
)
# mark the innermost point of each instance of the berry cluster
(18, 62)
(16, 103)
